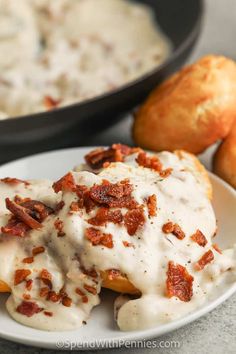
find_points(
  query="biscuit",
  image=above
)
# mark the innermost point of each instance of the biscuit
(224, 162)
(191, 110)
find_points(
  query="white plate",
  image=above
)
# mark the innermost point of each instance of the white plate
(101, 330)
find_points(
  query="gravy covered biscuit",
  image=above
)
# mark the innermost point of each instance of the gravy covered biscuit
(191, 110)
(224, 163)
(134, 222)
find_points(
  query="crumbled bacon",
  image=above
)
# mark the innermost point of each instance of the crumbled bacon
(53, 296)
(149, 162)
(50, 102)
(113, 274)
(85, 200)
(28, 260)
(27, 214)
(166, 173)
(152, 205)
(96, 237)
(21, 275)
(199, 238)
(204, 260)
(74, 207)
(179, 282)
(105, 215)
(117, 195)
(66, 301)
(26, 296)
(13, 181)
(38, 250)
(22, 214)
(46, 278)
(15, 227)
(82, 294)
(36, 209)
(59, 206)
(65, 184)
(98, 157)
(29, 284)
(90, 289)
(134, 219)
(28, 308)
(127, 244)
(59, 227)
(48, 313)
(43, 292)
(217, 248)
(175, 229)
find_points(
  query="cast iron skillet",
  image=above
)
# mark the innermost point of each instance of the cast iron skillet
(71, 125)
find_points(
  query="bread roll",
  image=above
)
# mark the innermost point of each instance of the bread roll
(191, 110)
(224, 164)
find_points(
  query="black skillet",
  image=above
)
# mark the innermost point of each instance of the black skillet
(72, 125)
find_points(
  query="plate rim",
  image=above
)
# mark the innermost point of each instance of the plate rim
(143, 335)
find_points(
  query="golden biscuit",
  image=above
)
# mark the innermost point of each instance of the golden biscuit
(191, 110)
(224, 164)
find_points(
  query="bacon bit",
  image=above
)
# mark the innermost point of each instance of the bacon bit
(117, 195)
(90, 289)
(21, 275)
(50, 103)
(152, 205)
(22, 214)
(13, 181)
(133, 220)
(82, 294)
(166, 173)
(53, 296)
(168, 228)
(79, 292)
(175, 229)
(15, 227)
(43, 292)
(48, 313)
(46, 278)
(59, 206)
(204, 260)
(65, 184)
(29, 284)
(217, 248)
(59, 227)
(113, 274)
(90, 272)
(149, 162)
(26, 296)
(37, 210)
(127, 244)
(199, 238)
(67, 301)
(85, 200)
(178, 232)
(96, 237)
(38, 250)
(28, 308)
(27, 214)
(104, 215)
(179, 282)
(28, 260)
(74, 207)
(116, 153)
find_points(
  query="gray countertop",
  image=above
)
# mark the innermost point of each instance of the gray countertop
(216, 331)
